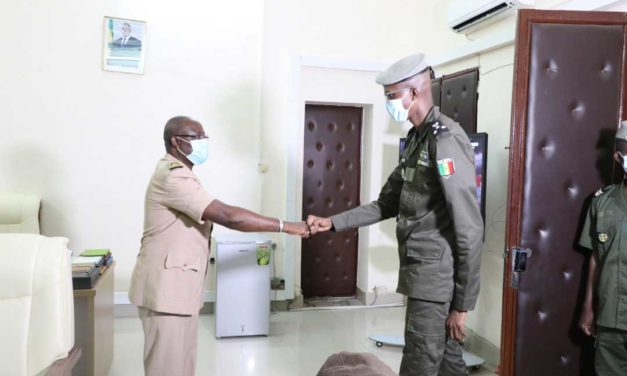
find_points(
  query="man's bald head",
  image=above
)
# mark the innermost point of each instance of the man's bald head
(176, 126)
(421, 81)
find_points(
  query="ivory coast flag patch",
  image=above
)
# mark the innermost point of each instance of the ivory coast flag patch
(446, 167)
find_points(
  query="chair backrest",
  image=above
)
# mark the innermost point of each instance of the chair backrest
(36, 303)
(19, 213)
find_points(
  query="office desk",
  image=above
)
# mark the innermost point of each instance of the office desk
(93, 324)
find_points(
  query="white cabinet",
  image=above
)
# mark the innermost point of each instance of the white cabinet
(243, 265)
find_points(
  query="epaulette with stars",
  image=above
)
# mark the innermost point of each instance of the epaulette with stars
(439, 128)
(173, 165)
(602, 190)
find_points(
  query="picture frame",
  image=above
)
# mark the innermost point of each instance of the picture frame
(124, 45)
(479, 142)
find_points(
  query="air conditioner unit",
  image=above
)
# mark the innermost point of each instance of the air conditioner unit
(468, 15)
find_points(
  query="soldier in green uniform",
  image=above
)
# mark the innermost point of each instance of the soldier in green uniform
(605, 232)
(439, 230)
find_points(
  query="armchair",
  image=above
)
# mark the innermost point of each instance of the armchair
(19, 213)
(36, 304)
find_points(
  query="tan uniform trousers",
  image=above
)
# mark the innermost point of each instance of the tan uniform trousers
(169, 343)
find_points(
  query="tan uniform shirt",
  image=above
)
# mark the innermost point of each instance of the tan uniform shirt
(170, 272)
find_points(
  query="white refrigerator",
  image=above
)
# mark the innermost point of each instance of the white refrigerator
(243, 263)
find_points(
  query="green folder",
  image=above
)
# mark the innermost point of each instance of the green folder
(96, 252)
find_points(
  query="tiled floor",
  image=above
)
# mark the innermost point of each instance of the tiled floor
(298, 344)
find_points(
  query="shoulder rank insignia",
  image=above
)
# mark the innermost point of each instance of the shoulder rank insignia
(173, 165)
(601, 191)
(439, 128)
(446, 167)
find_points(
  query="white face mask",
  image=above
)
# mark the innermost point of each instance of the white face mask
(397, 111)
(624, 161)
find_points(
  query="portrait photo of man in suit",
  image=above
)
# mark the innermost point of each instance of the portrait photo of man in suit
(124, 45)
(127, 40)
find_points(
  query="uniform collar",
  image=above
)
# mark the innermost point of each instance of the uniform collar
(170, 157)
(432, 116)
(616, 191)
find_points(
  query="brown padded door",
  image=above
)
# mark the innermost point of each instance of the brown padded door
(436, 86)
(573, 101)
(458, 98)
(331, 177)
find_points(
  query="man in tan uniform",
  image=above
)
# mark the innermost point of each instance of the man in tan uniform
(169, 277)
(432, 192)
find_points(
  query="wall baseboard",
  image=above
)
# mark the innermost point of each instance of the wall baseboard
(121, 297)
(124, 308)
(386, 298)
(483, 348)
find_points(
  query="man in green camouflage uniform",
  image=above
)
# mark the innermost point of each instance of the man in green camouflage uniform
(439, 230)
(605, 232)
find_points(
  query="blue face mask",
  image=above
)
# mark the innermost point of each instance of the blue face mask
(397, 111)
(200, 150)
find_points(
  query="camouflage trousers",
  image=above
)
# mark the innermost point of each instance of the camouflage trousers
(610, 352)
(428, 351)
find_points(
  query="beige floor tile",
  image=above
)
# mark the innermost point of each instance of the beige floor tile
(298, 344)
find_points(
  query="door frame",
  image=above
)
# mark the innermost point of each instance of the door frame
(365, 114)
(517, 152)
(295, 103)
(295, 181)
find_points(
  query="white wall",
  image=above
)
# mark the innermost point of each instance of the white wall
(368, 30)
(372, 34)
(87, 140)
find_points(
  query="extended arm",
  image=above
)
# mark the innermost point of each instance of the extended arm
(386, 206)
(240, 219)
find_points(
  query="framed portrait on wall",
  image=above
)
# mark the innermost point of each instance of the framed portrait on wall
(124, 45)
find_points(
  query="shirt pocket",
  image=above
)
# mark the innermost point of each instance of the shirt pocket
(424, 249)
(605, 232)
(425, 180)
(182, 261)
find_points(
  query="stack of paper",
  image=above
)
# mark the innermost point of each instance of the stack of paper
(87, 268)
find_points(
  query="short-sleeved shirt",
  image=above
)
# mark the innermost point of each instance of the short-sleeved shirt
(170, 272)
(605, 232)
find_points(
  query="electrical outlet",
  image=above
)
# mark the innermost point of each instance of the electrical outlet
(277, 283)
(262, 168)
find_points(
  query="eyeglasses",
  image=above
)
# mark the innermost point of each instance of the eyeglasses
(390, 95)
(193, 136)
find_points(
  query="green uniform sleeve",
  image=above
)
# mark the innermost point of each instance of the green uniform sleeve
(386, 206)
(585, 240)
(456, 170)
